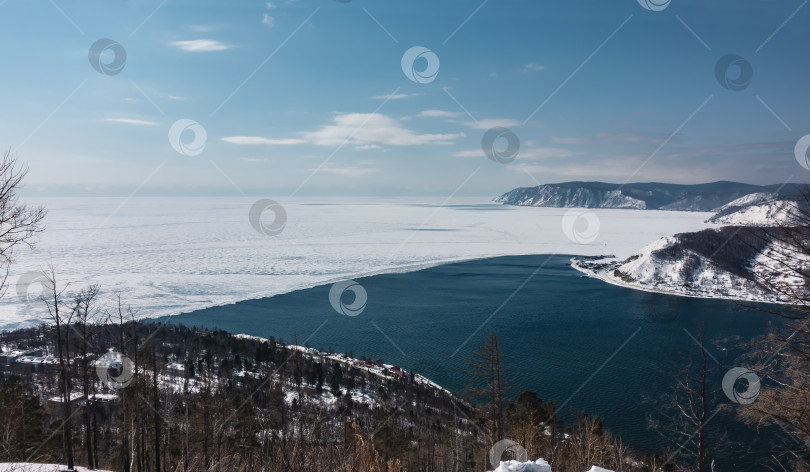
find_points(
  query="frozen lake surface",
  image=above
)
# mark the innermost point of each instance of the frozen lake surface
(171, 255)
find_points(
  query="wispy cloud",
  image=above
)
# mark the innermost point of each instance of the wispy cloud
(268, 19)
(628, 137)
(533, 67)
(493, 122)
(131, 121)
(259, 140)
(527, 153)
(545, 153)
(348, 171)
(373, 128)
(439, 114)
(361, 130)
(567, 140)
(396, 96)
(200, 45)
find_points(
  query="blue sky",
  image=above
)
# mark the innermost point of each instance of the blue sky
(310, 97)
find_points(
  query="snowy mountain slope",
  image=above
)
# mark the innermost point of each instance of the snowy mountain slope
(725, 262)
(550, 196)
(642, 196)
(761, 209)
(756, 198)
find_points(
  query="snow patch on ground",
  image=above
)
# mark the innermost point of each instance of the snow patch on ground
(540, 465)
(32, 467)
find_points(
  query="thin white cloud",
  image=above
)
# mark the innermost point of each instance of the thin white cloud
(533, 67)
(348, 171)
(259, 140)
(545, 153)
(270, 5)
(493, 122)
(373, 128)
(200, 45)
(439, 114)
(567, 140)
(268, 20)
(131, 121)
(628, 137)
(396, 96)
(360, 130)
(529, 153)
(469, 153)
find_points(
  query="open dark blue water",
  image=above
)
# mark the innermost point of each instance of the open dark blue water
(585, 344)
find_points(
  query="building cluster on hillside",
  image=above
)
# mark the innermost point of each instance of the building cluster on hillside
(374, 367)
(32, 357)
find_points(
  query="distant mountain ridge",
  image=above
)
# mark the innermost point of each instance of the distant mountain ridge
(645, 196)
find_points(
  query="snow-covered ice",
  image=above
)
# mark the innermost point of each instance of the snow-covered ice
(171, 255)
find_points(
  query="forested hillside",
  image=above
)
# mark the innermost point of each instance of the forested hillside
(153, 397)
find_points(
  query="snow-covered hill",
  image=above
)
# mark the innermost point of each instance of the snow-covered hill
(645, 196)
(759, 209)
(725, 262)
(562, 197)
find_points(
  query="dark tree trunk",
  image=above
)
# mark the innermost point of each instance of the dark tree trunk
(156, 406)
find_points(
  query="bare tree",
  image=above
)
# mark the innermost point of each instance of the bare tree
(19, 223)
(686, 410)
(63, 321)
(782, 358)
(87, 317)
(488, 384)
